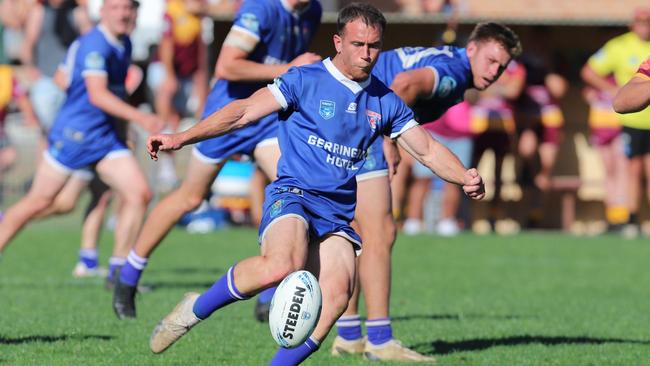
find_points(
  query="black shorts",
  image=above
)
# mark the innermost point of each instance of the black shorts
(635, 141)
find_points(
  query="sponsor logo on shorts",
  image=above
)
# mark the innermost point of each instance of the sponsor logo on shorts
(276, 208)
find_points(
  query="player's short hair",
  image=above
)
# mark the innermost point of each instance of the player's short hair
(492, 31)
(370, 15)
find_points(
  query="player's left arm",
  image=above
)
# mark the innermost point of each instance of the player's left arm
(234, 115)
(415, 84)
(435, 156)
(633, 96)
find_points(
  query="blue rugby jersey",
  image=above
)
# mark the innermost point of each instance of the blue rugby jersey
(79, 121)
(282, 36)
(453, 76)
(328, 123)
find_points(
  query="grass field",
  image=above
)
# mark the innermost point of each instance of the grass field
(533, 299)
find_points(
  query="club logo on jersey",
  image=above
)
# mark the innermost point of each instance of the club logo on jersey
(250, 22)
(276, 208)
(94, 61)
(352, 108)
(327, 108)
(373, 119)
(446, 86)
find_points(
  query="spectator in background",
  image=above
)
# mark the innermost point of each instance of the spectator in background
(13, 15)
(179, 73)
(621, 57)
(494, 123)
(11, 90)
(539, 126)
(51, 28)
(606, 138)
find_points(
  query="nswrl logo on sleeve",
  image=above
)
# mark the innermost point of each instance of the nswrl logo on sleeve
(94, 60)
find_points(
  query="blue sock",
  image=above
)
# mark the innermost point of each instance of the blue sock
(88, 257)
(266, 296)
(379, 330)
(222, 293)
(349, 327)
(113, 264)
(294, 356)
(132, 270)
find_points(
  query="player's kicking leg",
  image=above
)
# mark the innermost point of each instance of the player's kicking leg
(333, 260)
(284, 250)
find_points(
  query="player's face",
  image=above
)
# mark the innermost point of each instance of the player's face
(133, 21)
(488, 59)
(117, 16)
(358, 48)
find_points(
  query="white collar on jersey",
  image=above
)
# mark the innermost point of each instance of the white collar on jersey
(350, 84)
(293, 11)
(110, 38)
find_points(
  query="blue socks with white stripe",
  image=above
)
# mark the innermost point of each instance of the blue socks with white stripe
(114, 263)
(349, 327)
(89, 258)
(379, 330)
(132, 269)
(222, 293)
(294, 356)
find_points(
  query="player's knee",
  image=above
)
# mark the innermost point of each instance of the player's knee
(192, 202)
(389, 231)
(140, 197)
(60, 206)
(39, 203)
(382, 236)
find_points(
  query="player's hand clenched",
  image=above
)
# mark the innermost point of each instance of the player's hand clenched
(473, 185)
(162, 142)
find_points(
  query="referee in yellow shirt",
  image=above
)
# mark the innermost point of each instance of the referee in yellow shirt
(621, 57)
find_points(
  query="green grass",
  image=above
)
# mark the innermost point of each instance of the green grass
(533, 299)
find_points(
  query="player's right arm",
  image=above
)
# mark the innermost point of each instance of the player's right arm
(435, 156)
(244, 36)
(101, 97)
(234, 115)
